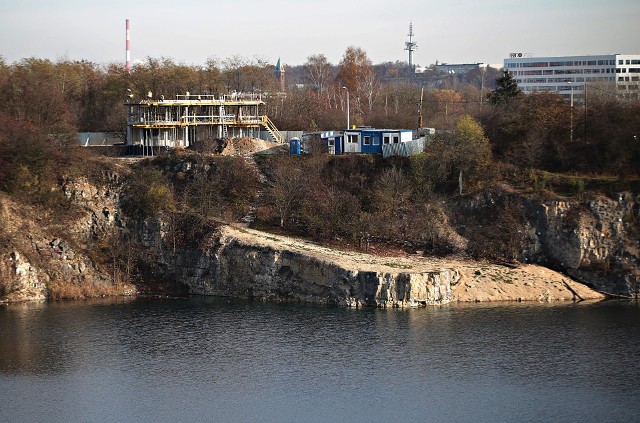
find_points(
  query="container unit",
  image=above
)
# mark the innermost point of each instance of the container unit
(366, 140)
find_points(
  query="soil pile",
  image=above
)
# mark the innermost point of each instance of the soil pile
(246, 146)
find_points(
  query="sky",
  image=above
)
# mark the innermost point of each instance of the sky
(192, 31)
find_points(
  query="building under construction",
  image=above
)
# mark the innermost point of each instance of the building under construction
(190, 118)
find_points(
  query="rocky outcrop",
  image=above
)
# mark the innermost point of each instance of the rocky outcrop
(244, 263)
(40, 258)
(102, 204)
(595, 242)
(22, 281)
(244, 270)
(38, 269)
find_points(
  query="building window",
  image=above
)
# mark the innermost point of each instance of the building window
(352, 138)
(621, 62)
(385, 140)
(396, 139)
(367, 140)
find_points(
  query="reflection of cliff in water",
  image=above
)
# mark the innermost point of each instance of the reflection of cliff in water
(38, 337)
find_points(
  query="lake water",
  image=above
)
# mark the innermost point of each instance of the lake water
(190, 360)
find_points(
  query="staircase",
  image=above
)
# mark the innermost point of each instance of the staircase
(225, 130)
(271, 129)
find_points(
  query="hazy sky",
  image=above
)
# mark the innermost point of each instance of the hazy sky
(190, 31)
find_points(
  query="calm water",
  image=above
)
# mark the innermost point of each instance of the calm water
(215, 360)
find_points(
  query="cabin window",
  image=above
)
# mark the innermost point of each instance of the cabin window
(367, 140)
(385, 139)
(352, 138)
(332, 142)
(396, 139)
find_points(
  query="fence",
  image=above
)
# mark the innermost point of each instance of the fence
(94, 139)
(404, 149)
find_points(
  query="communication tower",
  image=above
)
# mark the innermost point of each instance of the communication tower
(410, 45)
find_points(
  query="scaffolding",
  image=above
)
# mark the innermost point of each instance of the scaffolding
(189, 118)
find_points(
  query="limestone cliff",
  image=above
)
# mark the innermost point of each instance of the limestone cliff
(596, 242)
(43, 255)
(245, 263)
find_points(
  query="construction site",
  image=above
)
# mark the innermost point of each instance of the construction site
(190, 118)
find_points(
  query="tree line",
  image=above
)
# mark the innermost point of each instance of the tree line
(83, 96)
(536, 130)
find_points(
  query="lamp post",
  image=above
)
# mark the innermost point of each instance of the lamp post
(570, 85)
(345, 88)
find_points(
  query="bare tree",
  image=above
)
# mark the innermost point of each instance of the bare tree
(287, 189)
(392, 193)
(320, 74)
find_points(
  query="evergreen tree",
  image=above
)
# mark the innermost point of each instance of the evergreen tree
(506, 89)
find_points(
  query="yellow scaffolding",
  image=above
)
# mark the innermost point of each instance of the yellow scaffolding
(173, 123)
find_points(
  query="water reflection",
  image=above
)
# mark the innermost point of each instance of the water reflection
(275, 362)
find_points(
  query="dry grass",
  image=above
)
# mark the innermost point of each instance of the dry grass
(59, 290)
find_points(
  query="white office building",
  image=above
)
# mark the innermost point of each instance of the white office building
(614, 74)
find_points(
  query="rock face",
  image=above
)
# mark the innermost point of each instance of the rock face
(244, 263)
(40, 258)
(595, 242)
(238, 268)
(273, 274)
(102, 204)
(26, 282)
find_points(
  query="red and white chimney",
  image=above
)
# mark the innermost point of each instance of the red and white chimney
(128, 64)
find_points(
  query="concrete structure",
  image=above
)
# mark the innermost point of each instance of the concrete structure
(615, 73)
(189, 118)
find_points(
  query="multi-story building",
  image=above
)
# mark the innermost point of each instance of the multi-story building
(616, 74)
(189, 118)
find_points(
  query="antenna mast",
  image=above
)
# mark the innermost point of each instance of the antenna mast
(410, 45)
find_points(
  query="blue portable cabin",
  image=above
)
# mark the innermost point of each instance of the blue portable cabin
(366, 140)
(332, 142)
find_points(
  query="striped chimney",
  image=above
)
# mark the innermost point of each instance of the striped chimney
(128, 49)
